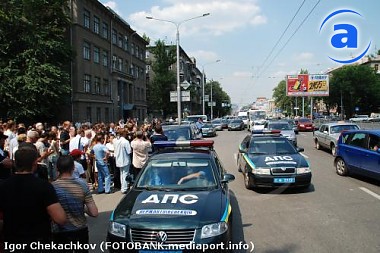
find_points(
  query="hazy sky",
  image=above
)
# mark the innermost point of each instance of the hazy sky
(243, 34)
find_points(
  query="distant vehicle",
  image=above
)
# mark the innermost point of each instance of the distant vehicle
(359, 118)
(256, 117)
(217, 124)
(194, 118)
(305, 124)
(243, 116)
(283, 126)
(181, 132)
(293, 124)
(236, 124)
(328, 134)
(208, 130)
(358, 152)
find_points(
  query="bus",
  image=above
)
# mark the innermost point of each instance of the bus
(256, 119)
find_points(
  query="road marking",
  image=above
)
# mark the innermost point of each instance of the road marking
(370, 192)
(304, 155)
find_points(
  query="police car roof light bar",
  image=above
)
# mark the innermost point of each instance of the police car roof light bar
(191, 143)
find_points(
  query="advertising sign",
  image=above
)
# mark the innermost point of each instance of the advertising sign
(305, 85)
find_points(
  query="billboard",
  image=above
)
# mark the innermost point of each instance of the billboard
(307, 85)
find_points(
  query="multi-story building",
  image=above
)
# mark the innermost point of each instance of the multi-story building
(108, 76)
(189, 73)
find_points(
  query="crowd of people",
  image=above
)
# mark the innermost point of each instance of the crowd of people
(51, 172)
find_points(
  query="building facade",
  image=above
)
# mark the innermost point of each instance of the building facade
(189, 75)
(108, 75)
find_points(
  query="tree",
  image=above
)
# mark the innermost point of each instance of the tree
(358, 87)
(34, 58)
(220, 97)
(159, 89)
(280, 99)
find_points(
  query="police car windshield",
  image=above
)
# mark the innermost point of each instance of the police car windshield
(279, 126)
(177, 174)
(267, 145)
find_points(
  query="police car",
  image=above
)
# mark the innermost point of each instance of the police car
(268, 159)
(179, 199)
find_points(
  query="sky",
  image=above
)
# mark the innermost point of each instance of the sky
(249, 46)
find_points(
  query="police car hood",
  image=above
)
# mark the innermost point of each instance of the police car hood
(278, 160)
(170, 209)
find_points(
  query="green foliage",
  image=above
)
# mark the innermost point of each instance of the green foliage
(219, 96)
(358, 86)
(279, 94)
(34, 58)
(164, 79)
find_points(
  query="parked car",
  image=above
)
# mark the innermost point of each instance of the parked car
(305, 124)
(359, 118)
(208, 130)
(217, 124)
(181, 132)
(283, 126)
(236, 124)
(225, 123)
(358, 152)
(328, 134)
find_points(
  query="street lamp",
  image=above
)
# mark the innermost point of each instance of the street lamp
(177, 24)
(203, 85)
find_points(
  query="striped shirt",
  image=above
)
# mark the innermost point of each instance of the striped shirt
(73, 194)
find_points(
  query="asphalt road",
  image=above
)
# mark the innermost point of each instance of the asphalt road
(337, 214)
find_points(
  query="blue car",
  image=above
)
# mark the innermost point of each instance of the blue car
(358, 152)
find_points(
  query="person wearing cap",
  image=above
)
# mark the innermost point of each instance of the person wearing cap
(76, 199)
(78, 168)
(5, 162)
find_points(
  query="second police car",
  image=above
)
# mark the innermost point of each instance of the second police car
(268, 159)
(179, 200)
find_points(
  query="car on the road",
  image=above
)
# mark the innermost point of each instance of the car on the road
(208, 130)
(236, 124)
(181, 132)
(225, 123)
(180, 197)
(358, 152)
(328, 134)
(304, 124)
(217, 124)
(293, 125)
(271, 160)
(284, 128)
(359, 118)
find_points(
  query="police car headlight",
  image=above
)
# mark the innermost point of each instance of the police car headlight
(261, 171)
(214, 229)
(303, 170)
(117, 229)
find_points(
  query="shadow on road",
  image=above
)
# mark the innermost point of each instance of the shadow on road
(285, 190)
(98, 229)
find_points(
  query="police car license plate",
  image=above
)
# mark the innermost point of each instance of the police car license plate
(284, 180)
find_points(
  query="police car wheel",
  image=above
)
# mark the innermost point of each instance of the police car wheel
(341, 167)
(247, 181)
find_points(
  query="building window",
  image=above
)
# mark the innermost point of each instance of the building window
(96, 25)
(87, 83)
(141, 72)
(88, 114)
(147, 54)
(98, 115)
(137, 71)
(120, 41)
(105, 58)
(106, 85)
(132, 48)
(96, 55)
(105, 30)
(132, 70)
(114, 36)
(120, 64)
(107, 115)
(126, 67)
(141, 54)
(97, 85)
(86, 19)
(114, 62)
(86, 51)
(125, 43)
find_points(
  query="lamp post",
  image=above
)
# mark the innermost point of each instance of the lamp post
(203, 85)
(177, 25)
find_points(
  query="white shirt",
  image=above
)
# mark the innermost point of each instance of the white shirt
(122, 151)
(78, 170)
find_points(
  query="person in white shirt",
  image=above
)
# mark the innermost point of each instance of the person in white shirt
(123, 158)
(78, 170)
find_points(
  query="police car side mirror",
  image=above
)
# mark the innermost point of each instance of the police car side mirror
(228, 178)
(242, 150)
(300, 149)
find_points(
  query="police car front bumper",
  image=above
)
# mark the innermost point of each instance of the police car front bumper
(300, 180)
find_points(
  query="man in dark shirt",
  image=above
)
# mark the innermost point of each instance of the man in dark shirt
(158, 135)
(5, 161)
(64, 138)
(28, 203)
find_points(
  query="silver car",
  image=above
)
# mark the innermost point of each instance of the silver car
(285, 128)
